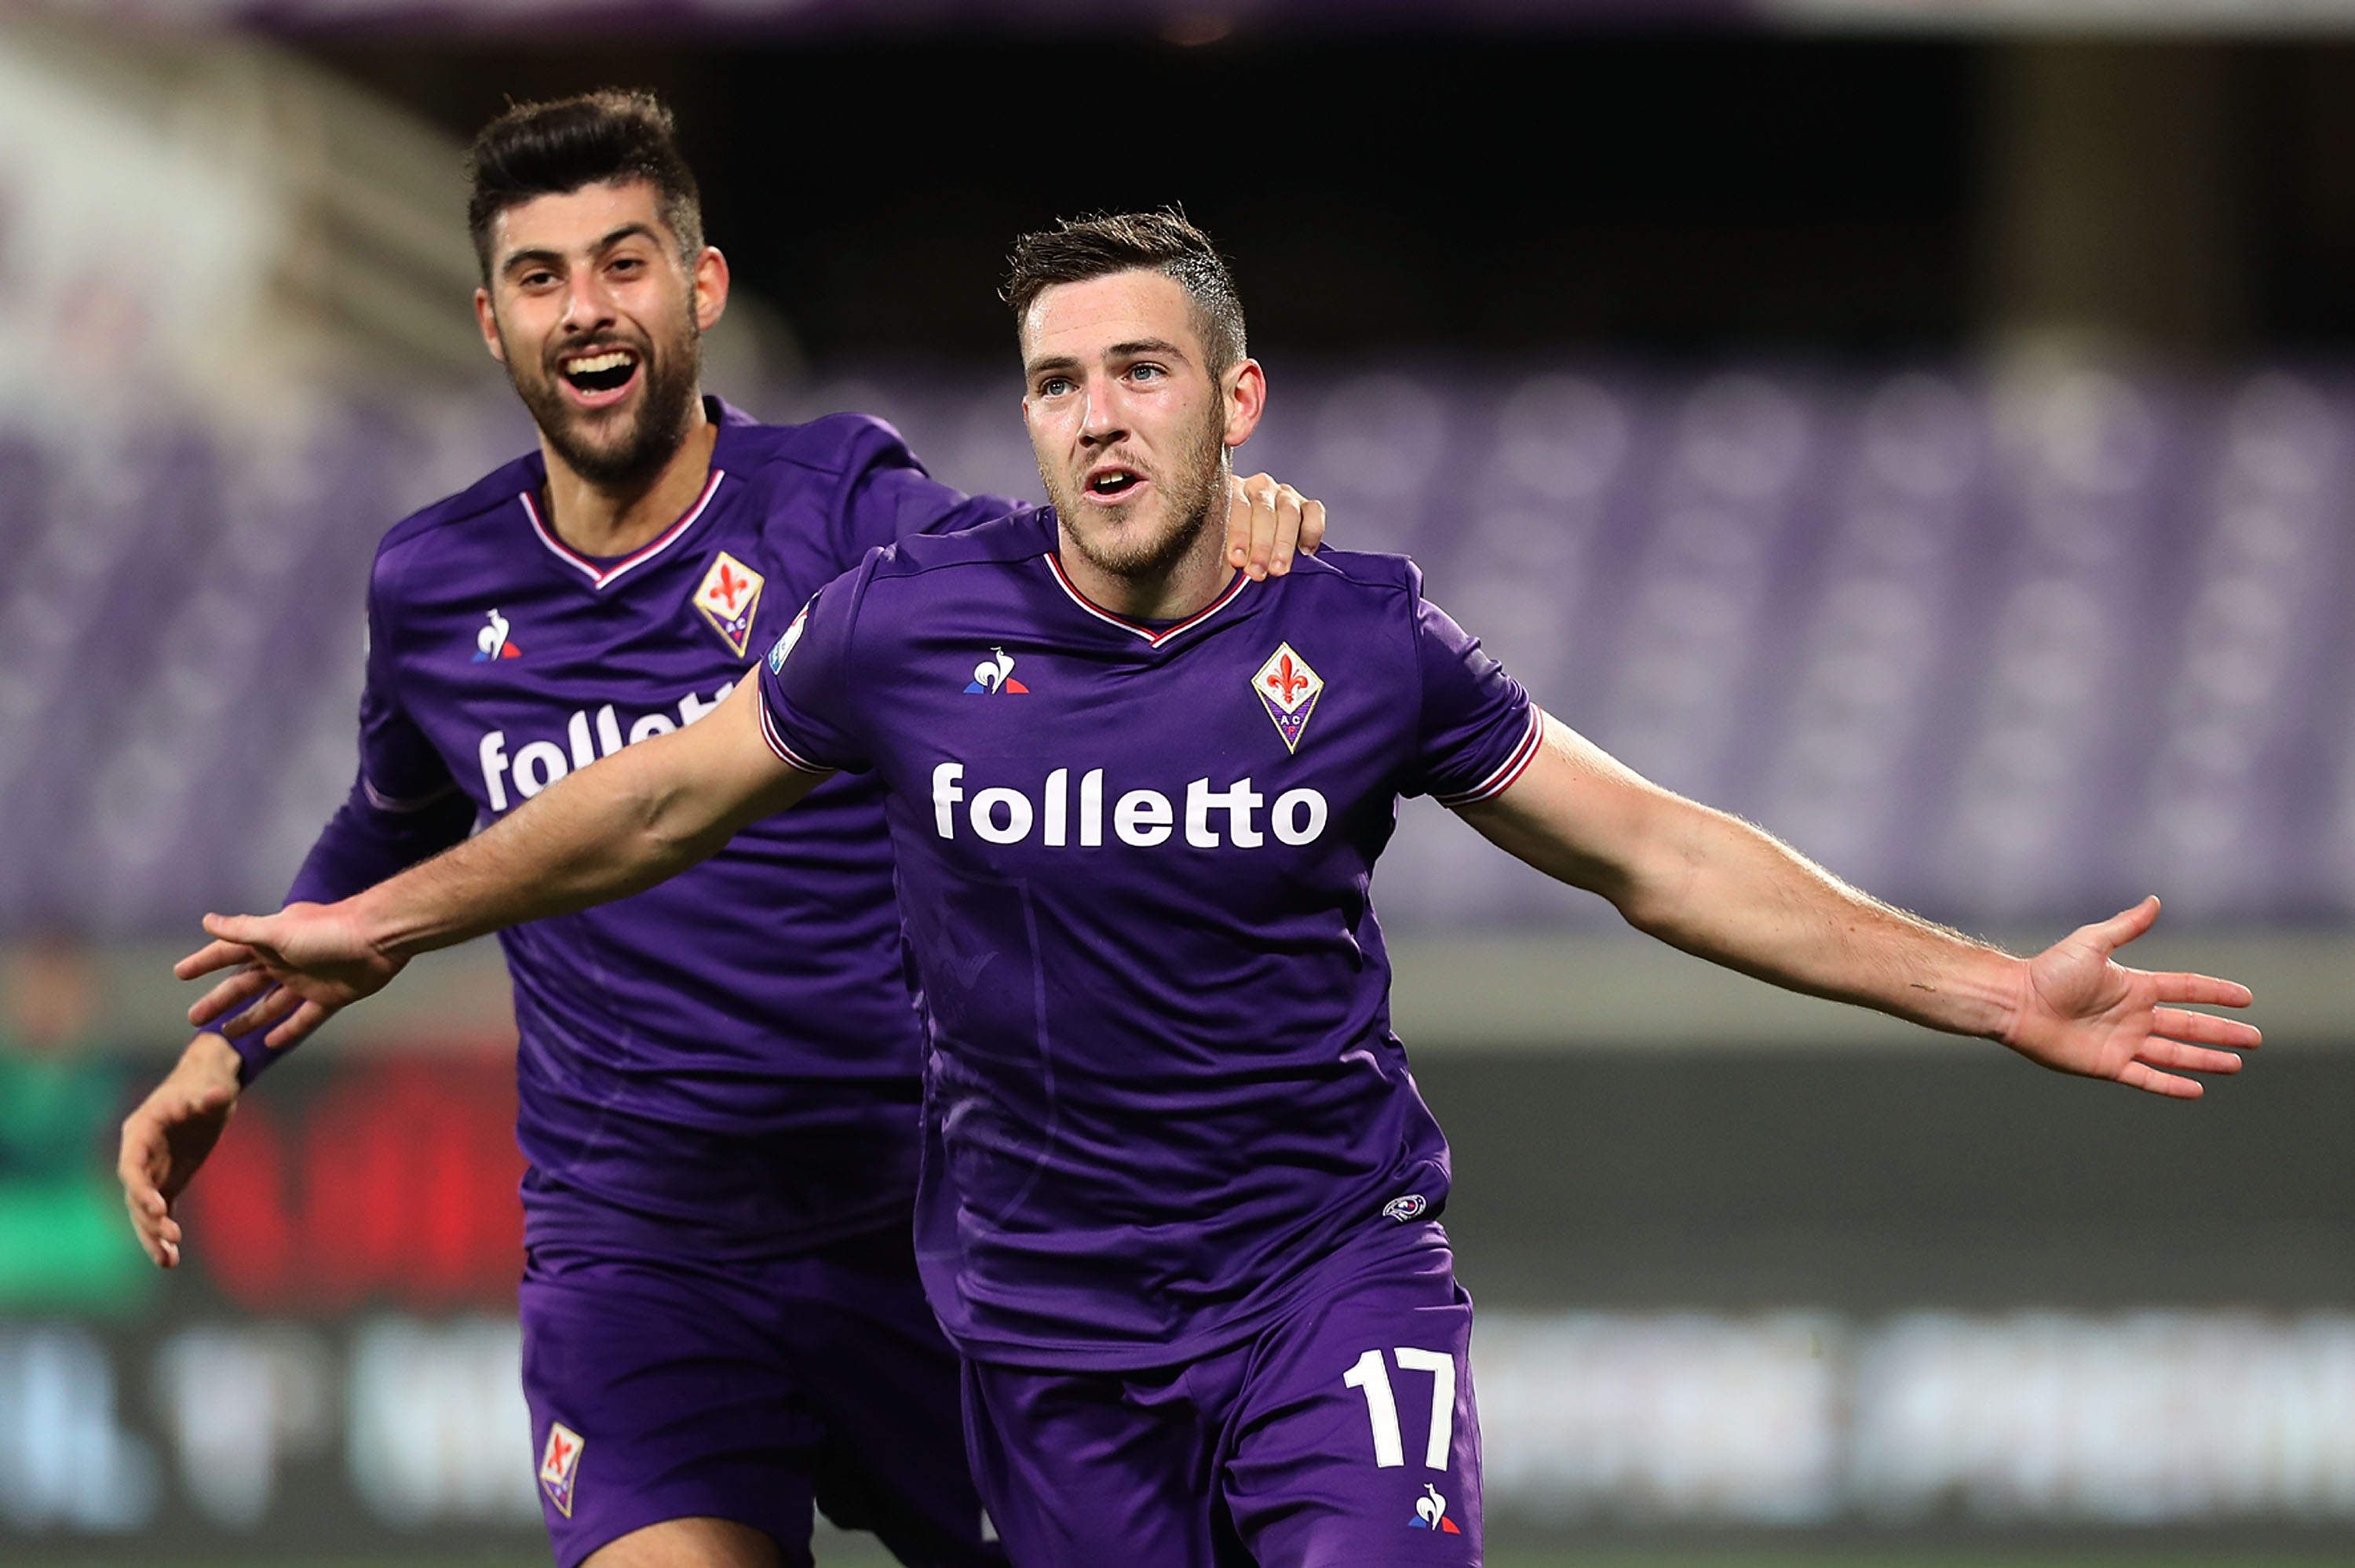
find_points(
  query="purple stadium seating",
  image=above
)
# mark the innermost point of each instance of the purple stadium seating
(1997, 648)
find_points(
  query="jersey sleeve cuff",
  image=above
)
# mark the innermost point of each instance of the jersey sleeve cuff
(254, 1057)
(1511, 769)
(404, 805)
(786, 753)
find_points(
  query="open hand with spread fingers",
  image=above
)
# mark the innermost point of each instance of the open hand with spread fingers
(315, 954)
(2081, 1011)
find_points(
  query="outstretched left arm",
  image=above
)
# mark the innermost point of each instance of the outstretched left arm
(1721, 890)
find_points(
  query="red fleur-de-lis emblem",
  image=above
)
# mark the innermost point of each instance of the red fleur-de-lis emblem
(1286, 681)
(729, 586)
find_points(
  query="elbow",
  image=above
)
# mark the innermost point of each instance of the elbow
(1663, 868)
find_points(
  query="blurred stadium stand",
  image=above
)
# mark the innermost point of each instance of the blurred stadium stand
(2012, 637)
(2003, 650)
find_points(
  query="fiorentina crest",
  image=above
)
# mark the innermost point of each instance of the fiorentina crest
(1290, 689)
(560, 1465)
(730, 597)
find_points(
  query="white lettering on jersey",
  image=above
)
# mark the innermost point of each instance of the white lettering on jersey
(1017, 826)
(1055, 824)
(1142, 818)
(945, 796)
(1004, 815)
(1299, 816)
(1239, 803)
(587, 737)
(492, 752)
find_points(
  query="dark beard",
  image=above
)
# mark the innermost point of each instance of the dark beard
(673, 380)
(1201, 467)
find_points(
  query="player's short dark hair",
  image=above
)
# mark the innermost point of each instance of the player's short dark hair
(1077, 250)
(556, 147)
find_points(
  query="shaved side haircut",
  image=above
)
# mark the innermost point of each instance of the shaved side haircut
(1077, 250)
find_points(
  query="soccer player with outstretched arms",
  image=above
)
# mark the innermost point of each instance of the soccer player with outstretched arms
(1180, 1196)
(718, 1078)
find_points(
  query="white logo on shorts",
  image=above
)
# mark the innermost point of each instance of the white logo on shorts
(560, 1465)
(1406, 1208)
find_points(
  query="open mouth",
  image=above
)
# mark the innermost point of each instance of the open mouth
(1112, 483)
(605, 370)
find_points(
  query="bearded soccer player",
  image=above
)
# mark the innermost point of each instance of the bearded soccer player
(1180, 1196)
(718, 1078)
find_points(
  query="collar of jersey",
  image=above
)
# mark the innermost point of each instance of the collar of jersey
(1153, 636)
(602, 574)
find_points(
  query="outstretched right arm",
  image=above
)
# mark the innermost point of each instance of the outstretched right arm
(640, 816)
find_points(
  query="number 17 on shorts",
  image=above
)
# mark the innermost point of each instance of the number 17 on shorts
(1370, 1376)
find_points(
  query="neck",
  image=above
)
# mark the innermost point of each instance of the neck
(1171, 593)
(599, 519)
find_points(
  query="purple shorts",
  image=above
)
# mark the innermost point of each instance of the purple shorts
(1343, 1433)
(665, 1389)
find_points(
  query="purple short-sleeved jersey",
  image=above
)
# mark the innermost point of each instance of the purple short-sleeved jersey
(730, 1056)
(1133, 863)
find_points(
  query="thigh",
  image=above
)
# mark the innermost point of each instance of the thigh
(655, 1398)
(1354, 1437)
(1091, 1471)
(885, 1385)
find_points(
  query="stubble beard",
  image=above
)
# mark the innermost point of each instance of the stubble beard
(1185, 493)
(637, 450)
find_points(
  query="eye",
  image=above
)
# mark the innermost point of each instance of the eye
(1054, 387)
(1146, 373)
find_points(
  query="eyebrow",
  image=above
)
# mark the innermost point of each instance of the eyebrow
(606, 242)
(1136, 349)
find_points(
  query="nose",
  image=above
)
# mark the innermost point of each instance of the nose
(586, 307)
(1100, 421)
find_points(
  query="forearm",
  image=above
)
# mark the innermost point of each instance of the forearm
(1721, 889)
(214, 1058)
(628, 822)
(364, 844)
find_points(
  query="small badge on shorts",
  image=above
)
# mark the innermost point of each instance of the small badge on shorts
(1431, 1513)
(559, 1466)
(1406, 1208)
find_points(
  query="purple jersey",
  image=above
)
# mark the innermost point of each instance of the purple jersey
(731, 1054)
(1133, 863)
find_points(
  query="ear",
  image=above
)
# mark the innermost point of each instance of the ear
(1245, 394)
(710, 287)
(488, 319)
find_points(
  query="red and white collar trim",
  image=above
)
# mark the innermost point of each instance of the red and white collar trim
(1152, 637)
(600, 575)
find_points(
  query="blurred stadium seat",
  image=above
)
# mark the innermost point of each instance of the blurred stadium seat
(2002, 649)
